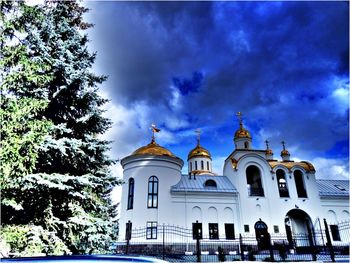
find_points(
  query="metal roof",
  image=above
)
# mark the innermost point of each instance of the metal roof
(333, 188)
(223, 184)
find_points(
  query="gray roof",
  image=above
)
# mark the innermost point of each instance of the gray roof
(223, 184)
(333, 188)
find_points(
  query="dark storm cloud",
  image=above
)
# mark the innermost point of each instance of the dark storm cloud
(284, 64)
(189, 85)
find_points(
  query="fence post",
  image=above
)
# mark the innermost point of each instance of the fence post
(329, 242)
(270, 248)
(163, 241)
(241, 246)
(128, 236)
(198, 248)
(313, 248)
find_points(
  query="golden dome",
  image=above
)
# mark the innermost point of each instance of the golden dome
(269, 151)
(199, 151)
(285, 153)
(289, 165)
(242, 133)
(153, 149)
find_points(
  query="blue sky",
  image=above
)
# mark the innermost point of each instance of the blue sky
(189, 65)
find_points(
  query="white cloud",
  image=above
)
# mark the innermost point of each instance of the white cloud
(331, 168)
(218, 164)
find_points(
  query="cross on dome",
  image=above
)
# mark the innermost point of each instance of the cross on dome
(154, 130)
(198, 131)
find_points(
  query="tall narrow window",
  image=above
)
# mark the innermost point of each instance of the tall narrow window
(246, 145)
(282, 183)
(202, 165)
(152, 201)
(213, 231)
(151, 230)
(208, 166)
(131, 193)
(195, 165)
(299, 183)
(254, 183)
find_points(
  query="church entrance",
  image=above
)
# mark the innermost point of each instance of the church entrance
(262, 235)
(299, 228)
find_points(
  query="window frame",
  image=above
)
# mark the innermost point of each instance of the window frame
(246, 229)
(151, 229)
(213, 230)
(131, 190)
(153, 187)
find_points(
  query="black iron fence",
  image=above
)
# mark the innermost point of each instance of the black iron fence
(177, 244)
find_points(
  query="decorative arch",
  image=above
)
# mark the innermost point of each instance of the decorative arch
(212, 215)
(345, 214)
(298, 222)
(332, 217)
(228, 215)
(298, 167)
(280, 167)
(196, 214)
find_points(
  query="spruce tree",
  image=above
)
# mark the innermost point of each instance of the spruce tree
(66, 196)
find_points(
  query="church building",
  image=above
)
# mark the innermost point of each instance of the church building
(254, 191)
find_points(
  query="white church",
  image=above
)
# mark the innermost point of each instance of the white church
(254, 191)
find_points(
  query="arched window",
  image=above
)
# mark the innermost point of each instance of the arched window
(254, 183)
(299, 184)
(152, 201)
(195, 165)
(246, 145)
(210, 183)
(202, 165)
(131, 193)
(208, 166)
(282, 183)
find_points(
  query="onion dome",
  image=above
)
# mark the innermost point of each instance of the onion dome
(199, 151)
(153, 149)
(241, 132)
(285, 153)
(268, 151)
